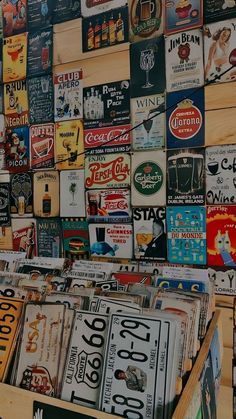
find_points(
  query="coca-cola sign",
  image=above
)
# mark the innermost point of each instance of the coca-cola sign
(108, 139)
(107, 171)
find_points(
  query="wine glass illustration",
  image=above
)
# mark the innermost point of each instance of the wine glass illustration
(147, 62)
(73, 191)
(147, 123)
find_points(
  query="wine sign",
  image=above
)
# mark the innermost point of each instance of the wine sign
(148, 67)
(108, 139)
(111, 240)
(184, 60)
(14, 58)
(105, 29)
(17, 149)
(21, 199)
(40, 52)
(64, 10)
(94, 7)
(68, 95)
(221, 175)
(183, 15)
(41, 99)
(107, 105)
(185, 119)
(145, 19)
(49, 237)
(185, 177)
(42, 146)
(215, 10)
(16, 107)
(39, 14)
(149, 134)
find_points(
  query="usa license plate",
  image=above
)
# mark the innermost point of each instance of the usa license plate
(10, 313)
(106, 306)
(84, 364)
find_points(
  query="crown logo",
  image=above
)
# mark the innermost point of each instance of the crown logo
(185, 104)
(147, 169)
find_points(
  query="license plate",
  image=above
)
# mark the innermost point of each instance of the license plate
(68, 325)
(106, 306)
(10, 314)
(107, 285)
(84, 364)
(12, 292)
(69, 300)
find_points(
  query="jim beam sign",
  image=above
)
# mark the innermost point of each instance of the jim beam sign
(146, 19)
(107, 171)
(107, 139)
(148, 178)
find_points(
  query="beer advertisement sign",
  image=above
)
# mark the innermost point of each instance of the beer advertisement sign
(221, 237)
(72, 202)
(147, 59)
(68, 95)
(42, 146)
(49, 237)
(224, 279)
(185, 177)
(105, 30)
(216, 10)
(94, 7)
(14, 17)
(182, 15)
(108, 205)
(17, 149)
(46, 200)
(221, 175)
(40, 52)
(64, 10)
(24, 236)
(5, 219)
(107, 139)
(111, 240)
(16, 107)
(14, 58)
(39, 14)
(107, 171)
(107, 105)
(148, 114)
(148, 178)
(145, 19)
(69, 145)
(186, 238)
(150, 241)
(184, 60)
(185, 119)
(41, 93)
(21, 200)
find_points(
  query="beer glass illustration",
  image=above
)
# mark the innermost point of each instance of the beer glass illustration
(146, 9)
(147, 62)
(198, 173)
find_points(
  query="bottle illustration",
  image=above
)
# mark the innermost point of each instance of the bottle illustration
(219, 244)
(90, 37)
(21, 205)
(112, 31)
(227, 242)
(97, 35)
(105, 32)
(120, 36)
(47, 202)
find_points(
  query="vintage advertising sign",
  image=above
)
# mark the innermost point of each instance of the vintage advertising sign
(145, 19)
(184, 60)
(84, 365)
(42, 146)
(14, 58)
(64, 10)
(186, 228)
(46, 200)
(107, 139)
(150, 241)
(75, 239)
(72, 200)
(39, 14)
(14, 17)
(105, 29)
(185, 118)
(106, 105)
(41, 99)
(112, 205)
(16, 107)
(21, 200)
(17, 149)
(221, 237)
(149, 134)
(49, 237)
(148, 178)
(5, 219)
(68, 95)
(219, 44)
(221, 175)
(1, 98)
(48, 411)
(111, 240)
(183, 15)
(148, 67)
(107, 171)
(69, 145)
(185, 177)
(24, 236)
(39, 352)
(216, 10)
(40, 52)
(224, 279)
(94, 7)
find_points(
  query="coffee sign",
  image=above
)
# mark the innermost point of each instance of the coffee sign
(146, 19)
(107, 139)
(42, 146)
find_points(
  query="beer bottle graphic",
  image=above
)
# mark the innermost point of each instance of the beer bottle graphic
(97, 35)
(112, 30)
(120, 35)
(90, 37)
(104, 32)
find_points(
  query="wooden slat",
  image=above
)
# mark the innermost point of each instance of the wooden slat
(220, 127)
(226, 376)
(227, 327)
(224, 301)
(225, 403)
(221, 95)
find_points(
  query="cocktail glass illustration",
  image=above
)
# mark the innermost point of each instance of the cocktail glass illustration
(147, 62)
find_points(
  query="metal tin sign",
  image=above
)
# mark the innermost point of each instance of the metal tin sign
(16, 107)
(108, 205)
(48, 411)
(5, 219)
(68, 95)
(185, 177)
(40, 52)
(111, 240)
(224, 279)
(94, 7)
(75, 239)
(107, 171)
(42, 146)
(145, 19)
(39, 14)
(221, 175)
(64, 10)
(186, 228)
(15, 58)
(150, 239)
(185, 119)
(41, 94)
(49, 238)
(14, 18)
(148, 178)
(21, 200)
(183, 15)
(17, 149)
(219, 44)
(148, 67)
(69, 145)
(106, 105)
(184, 60)
(24, 236)
(46, 200)
(216, 10)
(72, 202)
(107, 139)
(221, 237)
(149, 134)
